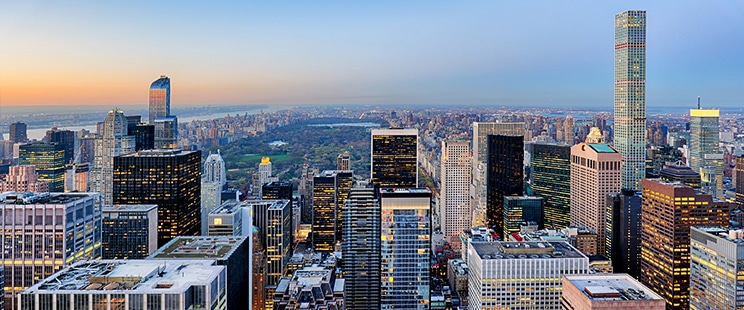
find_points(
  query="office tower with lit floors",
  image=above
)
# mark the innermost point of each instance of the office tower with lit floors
(394, 161)
(505, 176)
(113, 141)
(705, 154)
(406, 248)
(669, 210)
(716, 266)
(330, 189)
(64, 138)
(551, 178)
(623, 237)
(630, 96)
(67, 229)
(170, 179)
(129, 231)
(49, 161)
(360, 246)
(595, 173)
(478, 189)
(455, 168)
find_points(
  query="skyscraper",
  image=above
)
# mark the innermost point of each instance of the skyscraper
(739, 171)
(568, 130)
(49, 161)
(623, 239)
(520, 210)
(66, 229)
(17, 133)
(166, 125)
(65, 138)
(406, 248)
(716, 263)
(169, 179)
(394, 161)
(595, 173)
(481, 130)
(669, 210)
(704, 150)
(551, 178)
(505, 175)
(330, 189)
(214, 169)
(630, 96)
(343, 161)
(273, 219)
(114, 141)
(213, 182)
(361, 249)
(455, 190)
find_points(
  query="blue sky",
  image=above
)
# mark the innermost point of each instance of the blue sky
(534, 53)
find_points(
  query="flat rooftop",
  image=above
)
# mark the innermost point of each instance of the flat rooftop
(157, 153)
(232, 206)
(525, 250)
(129, 208)
(137, 276)
(610, 287)
(602, 148)
(210, 247)
(42, 198)
(393, 190)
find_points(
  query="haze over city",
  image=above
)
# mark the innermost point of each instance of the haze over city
(548, 54)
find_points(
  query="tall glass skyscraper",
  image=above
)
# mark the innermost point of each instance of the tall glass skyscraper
(394, 157)
(49, 161)
(630, 96)
(551, 178)
(704, 149)
(166, 125)
(361, 249)
(505, 175)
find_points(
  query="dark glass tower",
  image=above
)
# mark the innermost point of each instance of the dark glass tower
(505, 175)
(623, 240)
(49, 159)
(17, 133)
(739, 177)
(144, 134)
(129, 231)
(551, 178)
(170, 179)
(65, 138)
(361, 249)
(522, 209)
(394, 158)
(330, 189)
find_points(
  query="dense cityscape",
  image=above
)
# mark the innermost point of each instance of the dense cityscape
(377, 206)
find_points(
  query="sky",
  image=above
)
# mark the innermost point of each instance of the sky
(529, 53)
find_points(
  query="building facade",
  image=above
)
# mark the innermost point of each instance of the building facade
(330, 189)
(360, 246)
(501, 272)
(739, 177)
(23, 178)
(166, 125)
(551, 178)
(17, 133)
(623, 232)
(129, 231)
(505, 175)
(704, 149)
(669, 210)
(170, 179)
(630, 96)
(112, 142)
(68, 230)
(595, 173)
(716, 263)
(454, 197)
(522, 210)
(405, 248)
(49, 161)
(608, 292)
(394, 160)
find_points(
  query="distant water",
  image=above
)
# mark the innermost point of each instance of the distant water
(39, 133)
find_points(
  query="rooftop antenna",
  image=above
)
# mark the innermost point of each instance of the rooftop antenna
(699, 108)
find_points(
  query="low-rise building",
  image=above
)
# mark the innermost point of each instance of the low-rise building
(607, 292)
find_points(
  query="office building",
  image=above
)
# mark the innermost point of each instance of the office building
(505, 175)
(623, 232)
(131, 284)
(233, 252)
(739, 177)
(406, 248)
(330, 189)
(679, 172)
(68, 230)
(76, 177)
(49, 161)
(214, 169)
(144, 135)
(360, 248)
(501, 272)
(64, 138)
(394, 161)
(454, 198)
(258, 273)
(550, 178)
(521, 210)
(311, 288)
(112, 142)
(716, 263)
(17, 133)
(704, 150)
(607, 292)
(23, 179)
(595, 173)
(169, 179)
(343, 161)
(166, 125)
(129, 231)
(568, 130)
(481, 130)
(669, 210)
(273, 219)
(211, 199)
(276, 190)
(630, 96)
(230, 219)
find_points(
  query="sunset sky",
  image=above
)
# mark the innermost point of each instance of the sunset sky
(535, 53)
